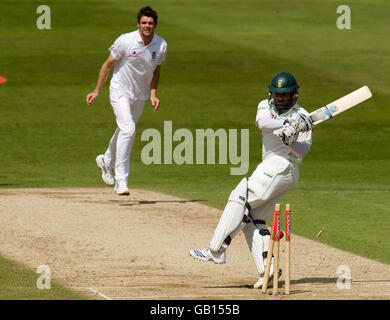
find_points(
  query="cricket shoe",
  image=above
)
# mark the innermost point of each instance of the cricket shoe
(207, 255)
(107, 174)
(259, 283)
(121, 188)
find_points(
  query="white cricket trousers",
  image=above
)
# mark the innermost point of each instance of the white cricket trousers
(273, 178)
(127, 113)
(268, 183)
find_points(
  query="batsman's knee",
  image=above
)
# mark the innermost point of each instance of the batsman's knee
(231, 221)
(257, 236)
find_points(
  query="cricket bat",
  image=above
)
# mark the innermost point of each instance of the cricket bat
(336, 107)
(340, 105)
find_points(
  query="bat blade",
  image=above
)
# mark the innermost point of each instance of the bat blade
(340, 105)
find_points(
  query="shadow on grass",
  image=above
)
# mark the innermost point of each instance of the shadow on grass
(128, 203)
(8, 185)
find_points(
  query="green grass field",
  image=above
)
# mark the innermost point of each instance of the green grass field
(16, 282)
(221, 58)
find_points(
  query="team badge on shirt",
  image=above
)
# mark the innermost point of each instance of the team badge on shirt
(154, 55)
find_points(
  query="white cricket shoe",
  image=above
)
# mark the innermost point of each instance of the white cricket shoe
(207, 255)
(259, 283)
(107, 174)
(121, 188)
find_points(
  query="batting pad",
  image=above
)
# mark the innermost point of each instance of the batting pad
(231, 218)
(257, 244)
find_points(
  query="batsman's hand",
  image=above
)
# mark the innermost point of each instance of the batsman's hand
(305, 123)
(92, 96)
(300, 121)
(289, 134)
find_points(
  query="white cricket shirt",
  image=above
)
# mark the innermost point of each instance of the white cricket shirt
(272, 143)
(135, 64)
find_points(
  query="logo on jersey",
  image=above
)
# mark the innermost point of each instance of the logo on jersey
(154, 55)
(280, 83)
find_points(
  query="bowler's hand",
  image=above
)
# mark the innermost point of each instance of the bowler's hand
(155, 102)
(92, 96)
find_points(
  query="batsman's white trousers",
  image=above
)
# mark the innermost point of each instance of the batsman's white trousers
(127, 113)
(266, 186)
(268, 183)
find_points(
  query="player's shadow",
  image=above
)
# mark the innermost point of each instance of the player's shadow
(250, 287)
(301, 281)
(8, 184)
(314, 280)
(128, 203)
(370, 281)
(282, 283)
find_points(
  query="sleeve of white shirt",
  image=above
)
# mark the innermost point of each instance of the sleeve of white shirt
(302, 146)
(163, 54)
(118, 48)
(264, 119)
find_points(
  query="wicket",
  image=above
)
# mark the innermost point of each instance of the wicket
(275, 237)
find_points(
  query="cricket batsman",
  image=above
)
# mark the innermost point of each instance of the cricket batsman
(252, 202)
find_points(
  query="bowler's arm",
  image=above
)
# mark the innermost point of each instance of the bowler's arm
(153, 89)
(103, 75)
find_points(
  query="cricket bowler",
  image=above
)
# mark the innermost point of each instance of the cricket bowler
(136, 58)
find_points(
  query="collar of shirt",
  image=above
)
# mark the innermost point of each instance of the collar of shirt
(141, 41)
